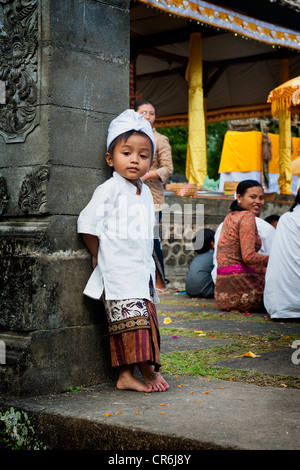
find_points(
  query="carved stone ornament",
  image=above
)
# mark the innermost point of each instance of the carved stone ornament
(19, 68)
(3, 195)
(33, 197)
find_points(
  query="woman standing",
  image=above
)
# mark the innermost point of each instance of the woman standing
(241, 269)
(161, 169)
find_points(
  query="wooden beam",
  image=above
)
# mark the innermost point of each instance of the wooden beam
(224, 114)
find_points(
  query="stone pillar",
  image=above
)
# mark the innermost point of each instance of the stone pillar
(65, 74)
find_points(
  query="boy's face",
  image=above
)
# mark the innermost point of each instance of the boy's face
(131, 159)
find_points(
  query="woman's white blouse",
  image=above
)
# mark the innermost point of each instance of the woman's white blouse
(123, 221)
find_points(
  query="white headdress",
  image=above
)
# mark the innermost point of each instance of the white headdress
(127, 121)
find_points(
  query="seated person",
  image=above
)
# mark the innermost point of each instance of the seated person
(199, 282)
(281, 293)
(266, 231)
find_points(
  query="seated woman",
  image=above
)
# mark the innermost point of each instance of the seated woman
(240, 274)
(281, 295)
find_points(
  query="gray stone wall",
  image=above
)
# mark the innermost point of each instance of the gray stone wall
(66, 75)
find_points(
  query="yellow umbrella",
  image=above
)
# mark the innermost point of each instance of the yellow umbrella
(285, 101)
(286, 96)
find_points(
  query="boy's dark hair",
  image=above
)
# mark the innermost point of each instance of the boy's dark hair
(139, 103)
(297, 201)
(206, 236)
(272, 218)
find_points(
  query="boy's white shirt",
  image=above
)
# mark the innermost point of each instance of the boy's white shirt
(124, 223)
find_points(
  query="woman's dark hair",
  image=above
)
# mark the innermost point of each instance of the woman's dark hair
(208, 237)
(139, 103)
(297, 201)
(241, 189)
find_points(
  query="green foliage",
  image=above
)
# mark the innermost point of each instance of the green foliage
(16, 432)
(215, 138)
(76, 389)
(178, 137)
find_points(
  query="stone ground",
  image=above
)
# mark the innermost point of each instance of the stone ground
(197, 412)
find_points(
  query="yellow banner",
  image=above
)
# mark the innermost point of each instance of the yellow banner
(242, 151)
(196, 169)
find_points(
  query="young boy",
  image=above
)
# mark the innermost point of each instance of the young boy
(117, 227)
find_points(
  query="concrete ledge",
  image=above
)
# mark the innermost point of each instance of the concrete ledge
(198, 414)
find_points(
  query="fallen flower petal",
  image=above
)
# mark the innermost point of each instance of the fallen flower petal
(248, 354)
(175, 336)
(167, 320)
(107, 414)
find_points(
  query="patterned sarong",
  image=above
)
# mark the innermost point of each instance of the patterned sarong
(134, 332)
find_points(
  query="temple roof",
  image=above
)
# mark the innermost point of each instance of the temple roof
(243, 45)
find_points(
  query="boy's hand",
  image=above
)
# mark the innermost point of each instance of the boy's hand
(94, 261)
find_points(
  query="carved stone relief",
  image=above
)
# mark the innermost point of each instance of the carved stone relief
(33, 197)
(19, 68)
(3, 195)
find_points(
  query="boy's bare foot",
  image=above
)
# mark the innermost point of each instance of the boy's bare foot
(153, 379)
(127, 381)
